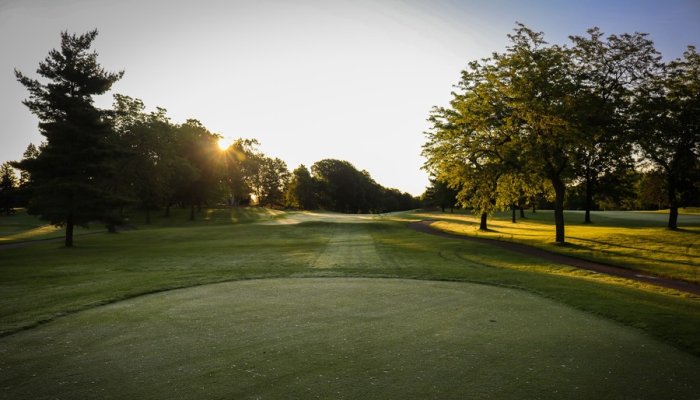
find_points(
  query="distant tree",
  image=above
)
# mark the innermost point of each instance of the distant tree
(440, 195)
(668, 128)
(30, 153)
(301, 191)
(271, 182)
(651, 190)
(201, 150)
(241, 162)
(24, 190)
(342, 187)
(8, 188)
(149, 143)
(395, 200)
(71, 173)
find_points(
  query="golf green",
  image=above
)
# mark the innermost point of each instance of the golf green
(340, 338)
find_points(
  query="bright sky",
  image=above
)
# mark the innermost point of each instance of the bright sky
(310, 79)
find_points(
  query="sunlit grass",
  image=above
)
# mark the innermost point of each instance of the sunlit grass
(681, 211)
(630, 240)
(21, 227)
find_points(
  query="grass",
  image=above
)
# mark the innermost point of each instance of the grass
(634, 240)
(22, 227)
(130, 332)
(342, 338)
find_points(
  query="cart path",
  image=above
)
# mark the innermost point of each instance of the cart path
(424, 227)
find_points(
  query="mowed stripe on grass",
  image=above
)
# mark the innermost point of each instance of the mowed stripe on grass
(341, 338)
(350, 246)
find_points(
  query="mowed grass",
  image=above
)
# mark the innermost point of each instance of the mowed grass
(80, 300)
(628, 239)
(22, 227)
(341, 338)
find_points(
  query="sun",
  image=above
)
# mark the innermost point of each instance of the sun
(224, 143)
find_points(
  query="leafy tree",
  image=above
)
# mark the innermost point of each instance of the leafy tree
(201, 150)
(471, 144)
(8, 188)
(301, 191)
(72, 172)
(538, 85)
(606, 72)
(651, 190)
(148, 140)
(342, 188)
(271, 181)
(668, 128)
(440, 195)
(241, 162)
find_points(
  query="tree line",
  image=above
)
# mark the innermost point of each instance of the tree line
(600, 120)
(96, 163)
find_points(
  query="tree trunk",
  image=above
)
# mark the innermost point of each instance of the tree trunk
(192, 212)
(443, 208)
(522, 212)
(559, 193)
(589, 199)
(69, 233)
(167, 210)
(148, 216)
(673, 218)
(482, 225)
(512, 208)
(534, 208)
(672, 205)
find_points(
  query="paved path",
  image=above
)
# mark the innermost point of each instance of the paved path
(424, 226)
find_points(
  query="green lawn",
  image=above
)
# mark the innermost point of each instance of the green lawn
(341, 338)
(628, 239)
(79, 315)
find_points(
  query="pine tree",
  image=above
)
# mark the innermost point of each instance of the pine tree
(8, 188)
(71, 174)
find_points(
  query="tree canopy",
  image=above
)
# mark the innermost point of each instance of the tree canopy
(568, 115)
(71, 174)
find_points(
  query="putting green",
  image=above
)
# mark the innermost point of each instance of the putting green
(340, 338)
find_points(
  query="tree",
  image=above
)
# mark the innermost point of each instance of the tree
(651, 190)
(271, 181)
(71, 173)
(30, 153)
(201, 150)
(301, 191)
(241, 162)
(471, 144)
(541, 93)
(667, 116)
(341, 187)
(8, 188)
(606, 73)
(148, 141)
(440, 195)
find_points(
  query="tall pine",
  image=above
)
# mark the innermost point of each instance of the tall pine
(71, 174)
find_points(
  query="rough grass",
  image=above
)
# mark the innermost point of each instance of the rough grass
(635, 240)
(341, 338)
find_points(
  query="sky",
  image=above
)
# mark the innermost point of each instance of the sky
(309, 79)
